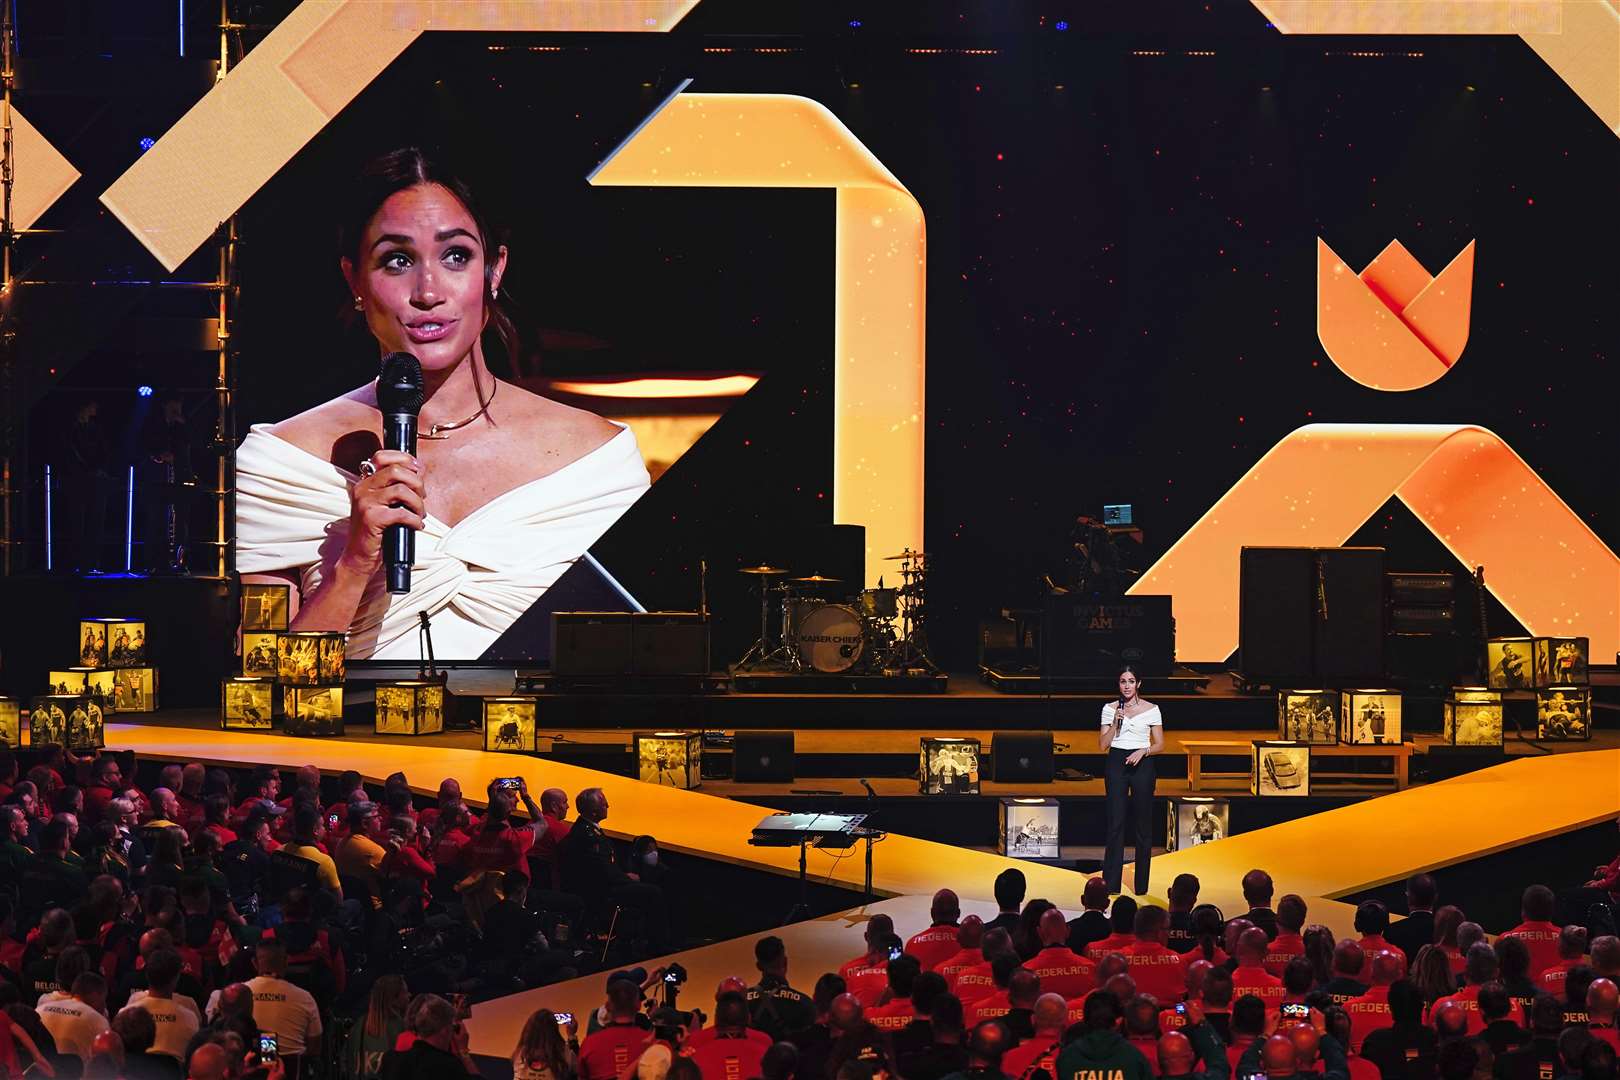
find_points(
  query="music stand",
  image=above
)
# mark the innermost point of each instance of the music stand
(831, 831)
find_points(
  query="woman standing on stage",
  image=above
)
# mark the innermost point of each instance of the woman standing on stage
(1132, 732)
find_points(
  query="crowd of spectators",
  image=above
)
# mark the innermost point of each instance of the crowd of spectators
(182, 921)
(168, 920)
(1128, 991)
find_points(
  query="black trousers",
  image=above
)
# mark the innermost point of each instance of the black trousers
(1129, 796)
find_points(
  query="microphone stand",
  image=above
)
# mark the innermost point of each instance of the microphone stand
(870, 835)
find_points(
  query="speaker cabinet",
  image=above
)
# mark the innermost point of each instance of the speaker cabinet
(1349, 614)
(590, 643)
(762, 757)
(669, 643)
(1022, 757)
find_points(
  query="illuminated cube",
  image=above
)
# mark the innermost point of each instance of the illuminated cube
(410, 707)
(135, 689)
(112, 643)
(264, 607)
(259, 655)
(314, 711)
(310, 658)
(1280, 769)
(1473, 717)
(75, 680)
(509, 724)
(10, 722)
(72, 721)
(1561, 661)
(674, 758)
(1510, 663)
(1194, 820)
(1564, 713)
(247, 703)
(1308, 716)
(1029, 829)
(949, 766)
(1370, 717)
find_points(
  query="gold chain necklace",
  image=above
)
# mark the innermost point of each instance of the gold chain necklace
(442, 431)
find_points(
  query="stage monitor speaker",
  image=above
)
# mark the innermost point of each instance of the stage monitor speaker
(762, 757)
(669, 643)
(590, 643)
(1276, 625)
(1022, 757)
(1349, 614)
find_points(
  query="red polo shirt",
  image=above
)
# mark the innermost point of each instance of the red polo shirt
(972, 984)
(1542, 940)
(1373, 944)
(893, 1016)
(704, 1036)
(934, 944)
(95, 802)
(1282, 949)
(1368, 1013)
(865, 978)
(729, 1058)
(1468, 998)
(606, 1053)
(1255, 980)
(1041, 1052)
(545, 843)
(952, 965)
(1112, 943)
(1158, 970)
(1065, 972)
(993, 1007)
(502, 849)
(1552, 980)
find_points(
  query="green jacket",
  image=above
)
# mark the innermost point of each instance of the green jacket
(1102, 1055)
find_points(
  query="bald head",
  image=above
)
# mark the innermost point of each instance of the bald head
(1051, 1014)
(1122, 987)
(1109, 966)
(1307, 1044)
(1197, 971)
(845, 1013)
(1601, 1000)
(1386, 967)
(1348, 957)
(208, 1063)
(945, 909)
(1278, 1056)
(1024, 988)
(554, 801)
(1176, 1055)
(1251, 946)
(1451, 1021)
(1606, 956)
(1053, 928)
(1234, 931)
(970, 932)
(878, 928)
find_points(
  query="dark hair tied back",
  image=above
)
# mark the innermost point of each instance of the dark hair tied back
(409, 167)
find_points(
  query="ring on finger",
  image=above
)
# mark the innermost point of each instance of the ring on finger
(367, 469)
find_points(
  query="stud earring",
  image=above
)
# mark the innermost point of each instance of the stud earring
(359, 304)
(493, 293)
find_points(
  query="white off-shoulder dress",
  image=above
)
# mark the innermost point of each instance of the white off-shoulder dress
(473, 579)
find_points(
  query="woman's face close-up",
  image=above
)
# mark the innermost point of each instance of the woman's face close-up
(420, 273)
(1127, 685)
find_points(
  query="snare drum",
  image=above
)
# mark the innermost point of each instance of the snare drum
(879, 603)
(829, 638)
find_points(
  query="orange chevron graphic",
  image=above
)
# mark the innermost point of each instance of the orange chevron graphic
(1394, 326)
(1323, 481)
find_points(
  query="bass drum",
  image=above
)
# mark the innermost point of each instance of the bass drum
(829, 639)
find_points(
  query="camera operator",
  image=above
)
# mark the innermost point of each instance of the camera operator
(605, 1052)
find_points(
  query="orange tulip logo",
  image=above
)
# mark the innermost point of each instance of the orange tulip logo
(1394, 326)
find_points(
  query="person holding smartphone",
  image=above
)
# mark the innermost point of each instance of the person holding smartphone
(1132, 733)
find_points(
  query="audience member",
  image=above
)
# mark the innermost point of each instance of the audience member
(1183, 897)
(1348, 961)
(1122, 925)
(1099, 1049)
(1159, 970)
(75, 1021)
(1372, 920)
(1092, 923)
(938, 942)
(1288, 942)
(1417, 929)
(1536, 929)
(1009, 891)
(1061, 970)
(1257, 893)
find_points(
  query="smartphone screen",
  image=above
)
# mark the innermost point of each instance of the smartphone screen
(564, 1018)
(267, 1047)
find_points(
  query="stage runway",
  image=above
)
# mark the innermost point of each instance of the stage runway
(1322, 856)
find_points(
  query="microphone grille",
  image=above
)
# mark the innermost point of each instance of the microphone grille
(399, 384)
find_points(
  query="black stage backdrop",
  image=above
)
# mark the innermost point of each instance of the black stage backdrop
(1121, 262)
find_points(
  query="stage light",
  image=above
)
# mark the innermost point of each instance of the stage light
(1062, 25)
(854, 24)
(147, 142)
(144, 391)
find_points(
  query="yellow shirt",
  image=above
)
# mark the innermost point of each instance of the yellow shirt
(325, 869)
(360, 858)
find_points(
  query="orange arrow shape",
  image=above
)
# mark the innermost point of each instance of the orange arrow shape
(1394, 326)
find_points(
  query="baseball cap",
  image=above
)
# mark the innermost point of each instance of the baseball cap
(636, 975)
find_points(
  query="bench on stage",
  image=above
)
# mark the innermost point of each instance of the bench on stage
(1399, 755)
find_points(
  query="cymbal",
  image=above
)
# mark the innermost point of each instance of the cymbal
(906, 555)
(763, 570)
(816, 579)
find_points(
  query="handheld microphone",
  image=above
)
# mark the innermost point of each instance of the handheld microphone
(399, 398)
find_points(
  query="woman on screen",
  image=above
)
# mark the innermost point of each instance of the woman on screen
(507, 488)
(1132, 733)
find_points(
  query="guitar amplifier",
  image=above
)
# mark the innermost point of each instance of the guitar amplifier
(669, 643)
(590, 642)
(1436, 589)
(1422, 619)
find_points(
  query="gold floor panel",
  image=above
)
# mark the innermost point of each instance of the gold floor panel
(1321, 856)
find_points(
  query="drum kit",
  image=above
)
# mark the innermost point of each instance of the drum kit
(823, 628)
